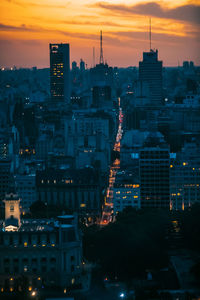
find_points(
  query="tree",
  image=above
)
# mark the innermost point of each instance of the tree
(134, 243)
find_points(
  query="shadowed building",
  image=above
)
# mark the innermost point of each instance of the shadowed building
(150, 71)
(154, 173)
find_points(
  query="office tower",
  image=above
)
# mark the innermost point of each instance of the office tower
(59, 73)
(150, 71)
(154, 173)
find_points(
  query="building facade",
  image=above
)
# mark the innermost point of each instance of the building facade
(60, 73)
(150, 71)
(39, 252)
(154, 177)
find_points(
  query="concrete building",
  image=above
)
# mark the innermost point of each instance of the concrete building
(154, 173)
(185, 177)
(77, 190)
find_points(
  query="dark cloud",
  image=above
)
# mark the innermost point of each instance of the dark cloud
(187, 13)
(157, 38)
(22, 27)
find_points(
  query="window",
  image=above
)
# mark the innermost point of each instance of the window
(72, 268)
(11, 208)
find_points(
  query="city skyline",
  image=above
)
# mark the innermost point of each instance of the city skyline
(29, 27)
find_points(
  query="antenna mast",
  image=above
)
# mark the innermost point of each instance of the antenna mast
(150, 32)
(101, 49)
(93, 56)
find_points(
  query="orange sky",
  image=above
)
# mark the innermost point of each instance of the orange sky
(28, 26)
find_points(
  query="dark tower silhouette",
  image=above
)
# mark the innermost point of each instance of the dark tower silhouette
(150, 71)
(101, 49)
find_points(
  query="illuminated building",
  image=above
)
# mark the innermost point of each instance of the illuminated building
(12, 212)
(125, 195)
(150, 71)
(59, 73)
(40, 253)
(185, 177)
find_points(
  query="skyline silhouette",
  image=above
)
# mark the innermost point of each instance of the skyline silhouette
(29, 27)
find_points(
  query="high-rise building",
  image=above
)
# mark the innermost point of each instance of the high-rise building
(101, 81)
(59, 73)
(150, 71)
(154, 173)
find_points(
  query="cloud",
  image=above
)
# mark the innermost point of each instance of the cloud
(22, 27)
(92, 23)
(41, 5)
(187, 13)
(157, 38)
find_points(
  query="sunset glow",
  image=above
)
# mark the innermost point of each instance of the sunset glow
(28, 26)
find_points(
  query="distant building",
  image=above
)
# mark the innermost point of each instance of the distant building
(150, 71)
(82, 65)
(186, 64)
(74, 66)
(59, 73)
(154, 173)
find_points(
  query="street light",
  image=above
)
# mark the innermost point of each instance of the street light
(33, 294)
(122, 295)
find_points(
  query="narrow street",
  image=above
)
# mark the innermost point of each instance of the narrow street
(107, 214)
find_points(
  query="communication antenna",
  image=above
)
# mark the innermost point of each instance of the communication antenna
(101, 49)
(93, 56)
(150, 33)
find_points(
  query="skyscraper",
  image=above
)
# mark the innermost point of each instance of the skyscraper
(150, 71)
(59, 73)
(154, 173)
